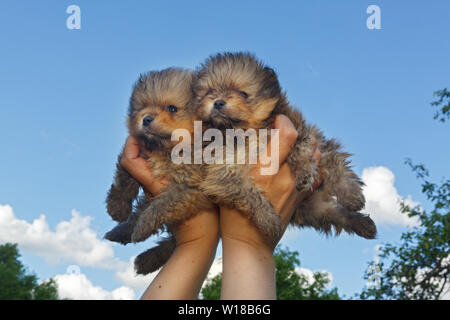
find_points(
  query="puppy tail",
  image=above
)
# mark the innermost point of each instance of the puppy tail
(154, 258)
(339, 178)
(326, 214)
(361, 224)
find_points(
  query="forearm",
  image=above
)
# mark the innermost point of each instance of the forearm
(183, 275)
(248, 271)
(248, 265)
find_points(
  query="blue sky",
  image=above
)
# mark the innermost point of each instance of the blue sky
(64, 94)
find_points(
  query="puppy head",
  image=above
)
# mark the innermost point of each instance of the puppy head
(161, 102)
(236, 90)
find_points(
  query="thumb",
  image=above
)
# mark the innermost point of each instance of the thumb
(287, 136)
(131, 148)
(280, 144)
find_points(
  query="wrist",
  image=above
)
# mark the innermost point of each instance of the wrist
(197, 240)
(248, 270)
(237, 229)
(202, 245)
(200, 232)
(251, 246)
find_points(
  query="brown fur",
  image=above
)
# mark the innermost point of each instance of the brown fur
(253, 98)
(152, 94)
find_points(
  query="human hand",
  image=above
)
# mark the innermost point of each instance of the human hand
(197, 237)
(197, 227)
(248, 264)
(279, 189)
(137, 166)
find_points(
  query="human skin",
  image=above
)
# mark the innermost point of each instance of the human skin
(197, 238)
(248, 265)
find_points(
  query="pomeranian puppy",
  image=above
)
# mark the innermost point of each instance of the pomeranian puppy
(237, 91)
(161, 102)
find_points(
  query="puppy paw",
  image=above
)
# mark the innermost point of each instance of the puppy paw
(307, 179)
(145, 227)
(118, 208)
(121, 233)
(270, 224)
(307, 182)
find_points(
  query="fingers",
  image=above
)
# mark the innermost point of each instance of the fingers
(131, 148)
(131, 161)
(287, 136)
(281, 142)
(138, 168)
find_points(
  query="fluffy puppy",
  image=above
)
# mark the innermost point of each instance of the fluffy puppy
(161, 102)
(237, 91)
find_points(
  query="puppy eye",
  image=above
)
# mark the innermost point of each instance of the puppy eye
(243, 94)
(208, 93)
(172, 109)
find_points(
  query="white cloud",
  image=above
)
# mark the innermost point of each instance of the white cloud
(309, 275)
(72, 240)
(75, 242)
(383, 200)
(127, 275)
(79, 287)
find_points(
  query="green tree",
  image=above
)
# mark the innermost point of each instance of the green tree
(16, 283)
(211, 291)
(443, 113)
(290, 284)
(419, 266)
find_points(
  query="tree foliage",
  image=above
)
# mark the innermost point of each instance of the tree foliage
(419, 266)
(290, 284)
(443, 103)
(211, 291)
(16, 283)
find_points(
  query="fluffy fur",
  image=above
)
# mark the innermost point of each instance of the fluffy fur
(251, 97)
(161, 102)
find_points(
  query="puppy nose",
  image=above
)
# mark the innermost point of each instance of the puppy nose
(147, 120)
(218, 104)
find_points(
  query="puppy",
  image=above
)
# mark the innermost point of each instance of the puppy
(237, 91)
(161, 102)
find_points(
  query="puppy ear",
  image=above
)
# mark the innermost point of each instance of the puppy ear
(264, 109)
(270, 85)
(270, 71)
